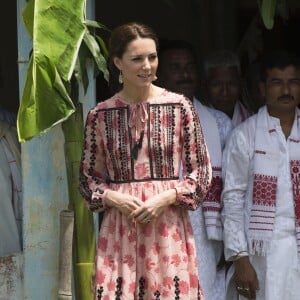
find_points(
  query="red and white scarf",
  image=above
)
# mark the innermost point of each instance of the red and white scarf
(266, 158)
(211, 206)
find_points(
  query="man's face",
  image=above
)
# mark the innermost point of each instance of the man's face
(282, 90)
(177, 72)
(223, 88)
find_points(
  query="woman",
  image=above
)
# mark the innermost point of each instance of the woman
(135, 143)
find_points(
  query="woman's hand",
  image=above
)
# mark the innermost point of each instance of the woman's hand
(125, 203)
(154, 206)
(245, 278)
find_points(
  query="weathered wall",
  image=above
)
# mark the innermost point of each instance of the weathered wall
(11, 277)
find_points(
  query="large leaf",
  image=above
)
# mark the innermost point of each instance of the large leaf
(97, 25)
(102, 46)
(45, 100)
(93, 46)
(28, 15)
(57, 31)
(267, 11)
(92, 49)
(80, 71)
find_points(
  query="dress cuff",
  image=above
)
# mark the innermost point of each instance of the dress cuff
(239, 255)
(98, 200)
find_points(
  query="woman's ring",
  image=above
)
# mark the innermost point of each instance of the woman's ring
(148, 220)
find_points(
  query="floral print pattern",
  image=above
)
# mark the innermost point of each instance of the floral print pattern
(156, 260)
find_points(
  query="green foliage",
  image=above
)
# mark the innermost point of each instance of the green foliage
(93, 48)
(63, 41)
(267, 10)
(270, 8)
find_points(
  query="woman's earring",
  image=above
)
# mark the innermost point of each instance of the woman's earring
(154, 78)
(120, 77)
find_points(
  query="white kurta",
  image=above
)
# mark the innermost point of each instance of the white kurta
(278, 272)
(209, 251)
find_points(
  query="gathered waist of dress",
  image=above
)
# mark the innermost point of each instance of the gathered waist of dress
(142, 180)
(144, 189)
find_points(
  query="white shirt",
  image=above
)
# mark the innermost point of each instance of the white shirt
(281, 261)
(215, 125)
(224, 124)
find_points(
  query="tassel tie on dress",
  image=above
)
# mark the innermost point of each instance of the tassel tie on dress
(137, 120)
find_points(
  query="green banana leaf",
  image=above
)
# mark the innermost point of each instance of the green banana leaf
(45, 100)
(91, 49)
(267, 10)
(96, 52)
(94, 24)
(57, 31)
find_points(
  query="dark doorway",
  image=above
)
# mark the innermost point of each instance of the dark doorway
(9, 79)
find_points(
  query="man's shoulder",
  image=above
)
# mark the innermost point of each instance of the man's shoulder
(247, 127)
(218, 114)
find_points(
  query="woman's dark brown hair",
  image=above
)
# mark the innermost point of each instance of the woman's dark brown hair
(117, 45)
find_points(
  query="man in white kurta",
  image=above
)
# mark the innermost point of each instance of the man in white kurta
(10, 191)
(216, 127)
(178, 73)
(261, 191)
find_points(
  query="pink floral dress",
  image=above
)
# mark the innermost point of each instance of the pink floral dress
(155, 260)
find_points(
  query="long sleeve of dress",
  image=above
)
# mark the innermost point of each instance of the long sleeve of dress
(197, 172)
(236, 164)
(93, 173)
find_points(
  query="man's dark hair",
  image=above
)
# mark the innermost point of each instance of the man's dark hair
(167, 44)
(278, 59)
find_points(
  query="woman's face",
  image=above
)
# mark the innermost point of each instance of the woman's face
(139, 62)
